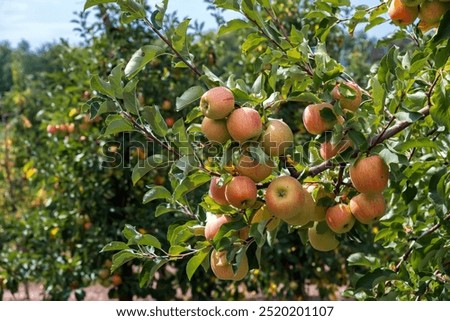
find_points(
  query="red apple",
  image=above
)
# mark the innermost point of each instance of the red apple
(241, 192)
(370, 175)
(368, 208)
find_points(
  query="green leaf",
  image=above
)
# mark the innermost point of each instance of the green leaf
(188, 97)
(190, 183)
(117, 126)
(152, 115)
(181, 137)
(417, 143)
(91, 3)
(146, 165)
(164, 208)
(156, 192)
(371, 279)
(145, 240)
(232, 25)
(101, 86)
(440, 111)
(114, 246)
(158, 15)
(195, 261)
(179, 37)
(140, 58)
(148, 271)
(129, 232)
(357, 138)
(306, 97)
(359, 259)
(98, 106)
(444, 29)
(227, 4)
(328, 115)
(130, 102)
(122, 257)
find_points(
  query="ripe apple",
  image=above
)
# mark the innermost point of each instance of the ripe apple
(170, 121)
(432, 11)
(286, 198)
(216, 192)
(217, 103)
(312, 120)
(250, 167)
(277, 138)
(319, 210)
(51, 129)
(370, 174)
(328, 150)
(223, 270)
(412, 3)
(425, 26)
(214, 223)
(340, 219)
(241, 192)
(402, 15)
(368, 208)
(215, 130)
(322, 238)
(116, 279)
(351, 104)
(244, 124)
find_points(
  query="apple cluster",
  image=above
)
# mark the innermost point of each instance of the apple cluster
(405, 12)
(285, 198)
(67, 128)
(316, 124)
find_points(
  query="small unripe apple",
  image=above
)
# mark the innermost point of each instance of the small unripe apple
(285, 197)
(277, 138)
(351, 104)
(216, 192)
(214, 223)
(223, 270)
(305, 212)
(215, 130)
(312, 120)
(432, 11)
(370, 175)
(368, 208)
(217, 103)
(322, 238)
(402, 15)
(166, 104)
(244, 124)
(241, 192)
(250, 167)
(340, 219)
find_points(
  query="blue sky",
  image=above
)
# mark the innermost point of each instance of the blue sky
(42, 21)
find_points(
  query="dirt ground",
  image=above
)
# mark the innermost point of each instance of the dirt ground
(100, 293)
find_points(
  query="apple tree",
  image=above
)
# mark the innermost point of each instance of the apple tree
(364, 177)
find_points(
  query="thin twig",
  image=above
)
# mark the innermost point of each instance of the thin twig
(176, 52)
(406, 255)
